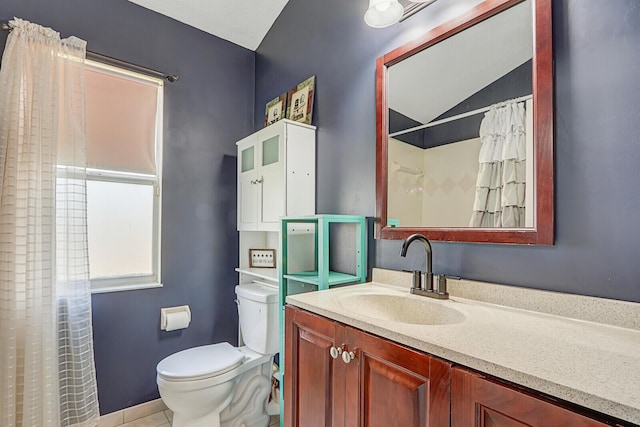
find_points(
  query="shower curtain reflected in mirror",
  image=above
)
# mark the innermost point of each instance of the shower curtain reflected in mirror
(501, 183)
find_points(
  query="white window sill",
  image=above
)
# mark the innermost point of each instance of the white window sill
(118, 288)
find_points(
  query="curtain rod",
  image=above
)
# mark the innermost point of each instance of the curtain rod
(105, 59)
(456, 117)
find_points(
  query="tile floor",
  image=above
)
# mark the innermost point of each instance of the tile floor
(163, 419)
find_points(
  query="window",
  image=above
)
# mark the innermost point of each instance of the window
(124, 159)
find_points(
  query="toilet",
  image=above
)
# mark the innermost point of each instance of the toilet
(222, 385)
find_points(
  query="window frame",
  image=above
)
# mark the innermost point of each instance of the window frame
(142, 281)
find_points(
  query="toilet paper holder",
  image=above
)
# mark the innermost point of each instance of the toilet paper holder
(172, 318)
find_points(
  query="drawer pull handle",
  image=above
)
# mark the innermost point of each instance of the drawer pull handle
(335, 352)
(348, 356)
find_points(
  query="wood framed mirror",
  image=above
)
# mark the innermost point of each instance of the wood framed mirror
(432, 157)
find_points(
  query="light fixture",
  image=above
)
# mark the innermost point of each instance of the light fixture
(382, 13)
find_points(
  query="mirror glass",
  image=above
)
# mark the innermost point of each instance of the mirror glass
(457, 131)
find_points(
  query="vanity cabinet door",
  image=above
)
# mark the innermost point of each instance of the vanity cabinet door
(477, 401)
(313, 380)
(392, 385)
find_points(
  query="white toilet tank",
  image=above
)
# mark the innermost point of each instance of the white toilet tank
(259, 319)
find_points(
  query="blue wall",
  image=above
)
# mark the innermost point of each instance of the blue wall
(597, 64)
(206, 111)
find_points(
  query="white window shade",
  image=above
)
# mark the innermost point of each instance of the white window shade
(121, 123)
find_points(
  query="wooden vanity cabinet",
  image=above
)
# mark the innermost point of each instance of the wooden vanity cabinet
(384, 384)
(389, 385)
(479, 401)
(314, 392)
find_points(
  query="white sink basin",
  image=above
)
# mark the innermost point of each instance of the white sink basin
(415, 310)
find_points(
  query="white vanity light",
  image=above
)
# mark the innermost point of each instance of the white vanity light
(383, 13)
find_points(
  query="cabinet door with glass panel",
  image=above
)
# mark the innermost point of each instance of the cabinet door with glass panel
(276, 175)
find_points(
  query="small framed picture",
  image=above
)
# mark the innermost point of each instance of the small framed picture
(300, 102)
(262, 258)
(275, 109)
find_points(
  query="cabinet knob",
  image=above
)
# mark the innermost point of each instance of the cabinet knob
(348, 356)
(335, 352)
(259, 181)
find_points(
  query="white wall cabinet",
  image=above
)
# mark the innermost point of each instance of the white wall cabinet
(276, 175)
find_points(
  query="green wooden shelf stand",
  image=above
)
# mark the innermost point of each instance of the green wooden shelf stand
(321, 277)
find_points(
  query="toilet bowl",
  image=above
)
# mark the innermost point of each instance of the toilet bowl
(221, 385)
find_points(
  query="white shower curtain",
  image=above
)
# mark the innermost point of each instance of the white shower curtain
(500, 186)
(47, 375)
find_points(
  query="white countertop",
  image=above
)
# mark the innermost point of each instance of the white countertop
(595, 365)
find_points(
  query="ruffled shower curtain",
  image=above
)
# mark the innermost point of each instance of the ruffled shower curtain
(47, 375)
(500, 186)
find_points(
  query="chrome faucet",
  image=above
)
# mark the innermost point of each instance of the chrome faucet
(426, 288)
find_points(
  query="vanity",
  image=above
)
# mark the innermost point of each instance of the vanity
(491, 355)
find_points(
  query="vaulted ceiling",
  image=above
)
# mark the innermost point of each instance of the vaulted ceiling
(243, 22)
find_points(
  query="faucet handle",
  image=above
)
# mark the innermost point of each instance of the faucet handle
(416, 280)
(440, 284)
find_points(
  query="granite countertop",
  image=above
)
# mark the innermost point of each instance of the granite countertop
(562, 348)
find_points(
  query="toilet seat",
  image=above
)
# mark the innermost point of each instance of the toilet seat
(200, 363)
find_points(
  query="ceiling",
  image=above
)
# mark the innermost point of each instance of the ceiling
(243, 22)
(435, 80)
